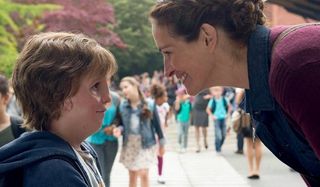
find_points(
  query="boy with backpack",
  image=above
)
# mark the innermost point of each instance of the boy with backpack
(183, 110)
(218, 109)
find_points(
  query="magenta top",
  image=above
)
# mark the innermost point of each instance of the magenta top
(294, 80)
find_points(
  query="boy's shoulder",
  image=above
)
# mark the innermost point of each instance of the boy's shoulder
(36, 153)
(61, 171)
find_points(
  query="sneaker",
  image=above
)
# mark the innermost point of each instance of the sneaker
(161, 180)
(240, 152)
(254, 176)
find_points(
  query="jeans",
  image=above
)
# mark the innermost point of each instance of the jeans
(183, 134)
(240, 141)
(220, 132)
(106, 154)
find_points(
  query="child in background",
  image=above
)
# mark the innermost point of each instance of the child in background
(10, 125)
(140, 122)
(218, 109)
(103, 141)
(159, 94)
(183, 108)
(60, 80)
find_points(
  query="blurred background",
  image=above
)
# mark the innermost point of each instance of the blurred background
(119, 25)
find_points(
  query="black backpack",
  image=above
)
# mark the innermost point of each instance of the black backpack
(214, 104)
(190, 105)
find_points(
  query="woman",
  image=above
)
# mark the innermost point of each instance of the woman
(253, 144)
(140, 123)
(200, 118)
(225, 43)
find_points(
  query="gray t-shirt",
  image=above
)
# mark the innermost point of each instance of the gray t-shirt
(6, 136)
(134, 122)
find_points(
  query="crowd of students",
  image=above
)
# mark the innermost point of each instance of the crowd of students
(140, 110)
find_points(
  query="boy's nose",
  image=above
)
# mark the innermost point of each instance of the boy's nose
(106, 97)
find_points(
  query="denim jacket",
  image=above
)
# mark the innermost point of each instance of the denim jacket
(273, 127)
(148, 127)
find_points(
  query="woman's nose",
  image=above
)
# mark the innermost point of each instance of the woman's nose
(167, 68)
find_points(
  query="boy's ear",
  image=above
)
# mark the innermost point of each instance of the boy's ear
(67, 105)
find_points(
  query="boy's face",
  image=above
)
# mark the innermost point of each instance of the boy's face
(216, 91)
(4, 99)
(86, 108)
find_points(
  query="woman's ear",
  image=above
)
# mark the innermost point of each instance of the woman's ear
(208, 34)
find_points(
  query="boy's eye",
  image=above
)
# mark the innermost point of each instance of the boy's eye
(96, 86)
(166, 53)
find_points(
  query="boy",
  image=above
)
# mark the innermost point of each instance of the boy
(60, 80)
(218, 109)
(183, 108)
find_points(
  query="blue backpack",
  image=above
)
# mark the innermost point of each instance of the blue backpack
(214, 104)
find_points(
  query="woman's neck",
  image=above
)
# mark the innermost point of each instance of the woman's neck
(134, 102)
(230, 61)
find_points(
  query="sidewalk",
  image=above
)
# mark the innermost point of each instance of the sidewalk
(190, 169)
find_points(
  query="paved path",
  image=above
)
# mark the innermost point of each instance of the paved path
(207, 169)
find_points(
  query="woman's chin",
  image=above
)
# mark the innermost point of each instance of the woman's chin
(192, 90)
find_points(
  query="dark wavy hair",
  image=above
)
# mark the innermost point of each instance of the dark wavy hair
(185, 17)
(157, 90)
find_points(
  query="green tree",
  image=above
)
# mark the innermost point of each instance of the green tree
(134, 28)
(10, 28)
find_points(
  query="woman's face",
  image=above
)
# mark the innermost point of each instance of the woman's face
(190, 61)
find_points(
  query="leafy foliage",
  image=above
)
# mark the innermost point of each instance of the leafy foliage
(134, 28)
(93, 18)
(10, 29)
(21, 18)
